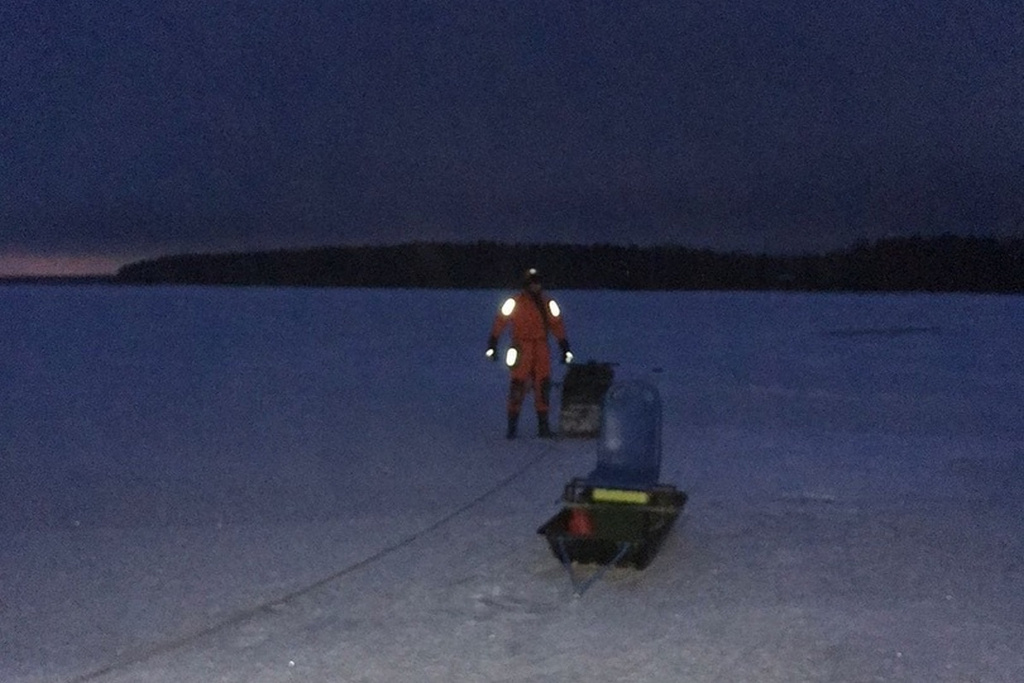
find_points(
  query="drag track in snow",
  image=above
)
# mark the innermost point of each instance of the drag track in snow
(284, 601)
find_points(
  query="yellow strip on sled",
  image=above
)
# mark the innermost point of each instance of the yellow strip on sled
(600, 495)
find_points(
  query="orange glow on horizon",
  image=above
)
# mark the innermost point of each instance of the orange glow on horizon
(58, 265)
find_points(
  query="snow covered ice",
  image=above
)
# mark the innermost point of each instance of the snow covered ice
(203, 484)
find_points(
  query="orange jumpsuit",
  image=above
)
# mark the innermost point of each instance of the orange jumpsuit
(531, 317)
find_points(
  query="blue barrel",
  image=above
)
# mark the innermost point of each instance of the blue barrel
(629, 447)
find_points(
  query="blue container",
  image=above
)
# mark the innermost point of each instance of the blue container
(629, 447)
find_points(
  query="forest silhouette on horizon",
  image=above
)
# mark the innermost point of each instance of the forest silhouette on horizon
(948, 263)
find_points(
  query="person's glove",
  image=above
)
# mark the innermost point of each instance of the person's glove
(492, 349)
(566, 353)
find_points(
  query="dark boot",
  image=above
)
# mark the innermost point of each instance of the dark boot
(543, 429)
(513, 421)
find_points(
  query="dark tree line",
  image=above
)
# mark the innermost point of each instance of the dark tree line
(942, 264)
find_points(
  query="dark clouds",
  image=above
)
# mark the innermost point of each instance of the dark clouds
(757, 125)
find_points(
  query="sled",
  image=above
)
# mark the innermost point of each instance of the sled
(583, 390)
(618, 515)
(620, 527)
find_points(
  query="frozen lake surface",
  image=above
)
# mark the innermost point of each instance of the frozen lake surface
(313, 485)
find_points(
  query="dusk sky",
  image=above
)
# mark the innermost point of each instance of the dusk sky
(134, 129)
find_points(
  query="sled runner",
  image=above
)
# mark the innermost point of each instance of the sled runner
(583, 389)
(618, 515)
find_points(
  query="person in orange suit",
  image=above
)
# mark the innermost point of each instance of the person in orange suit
(532, 315)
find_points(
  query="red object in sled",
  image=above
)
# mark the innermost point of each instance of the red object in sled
(579, 522)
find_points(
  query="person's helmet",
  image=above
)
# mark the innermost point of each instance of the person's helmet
(531, 276)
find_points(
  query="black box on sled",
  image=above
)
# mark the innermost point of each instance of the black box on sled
(583, 390)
